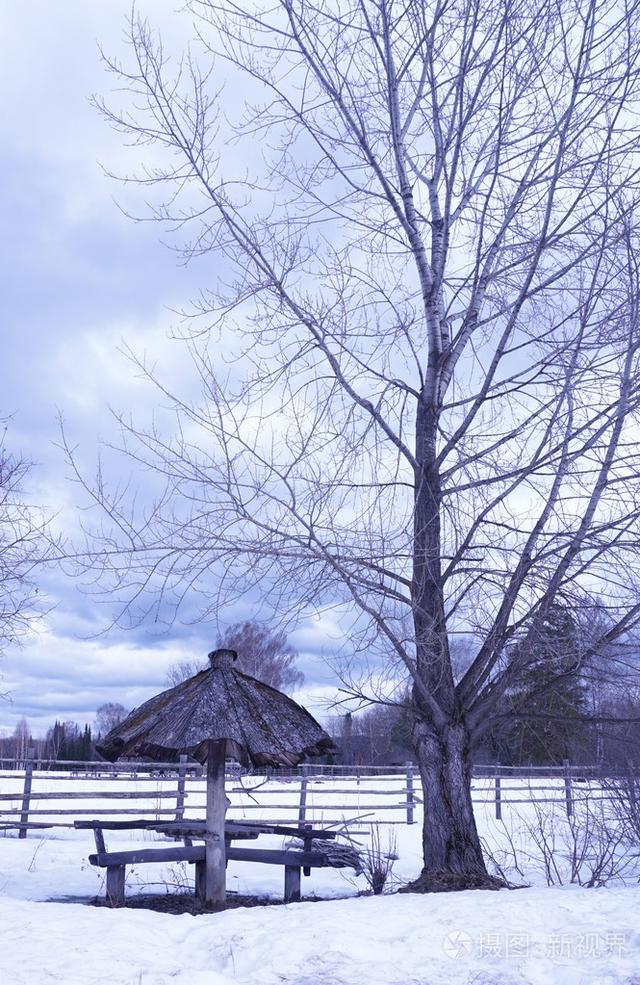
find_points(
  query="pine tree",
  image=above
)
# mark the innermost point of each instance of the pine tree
(548, 698)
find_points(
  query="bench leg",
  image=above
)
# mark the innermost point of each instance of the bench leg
(291, 883)
(115, 885)
(201, 879)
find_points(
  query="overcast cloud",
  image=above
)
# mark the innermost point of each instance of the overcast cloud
(79, 280)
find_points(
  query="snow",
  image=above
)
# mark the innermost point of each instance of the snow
(531, 936)
(536, 936)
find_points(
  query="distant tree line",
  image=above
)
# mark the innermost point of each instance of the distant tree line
(64, 741)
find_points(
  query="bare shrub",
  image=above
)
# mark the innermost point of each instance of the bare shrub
(588, 849)
(543, 833)
(624, 796)
(504, 858)
(378, 859)
(593, 846)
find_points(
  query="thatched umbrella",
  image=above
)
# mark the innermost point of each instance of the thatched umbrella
(217, 713)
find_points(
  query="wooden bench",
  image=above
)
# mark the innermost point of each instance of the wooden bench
(293, 859)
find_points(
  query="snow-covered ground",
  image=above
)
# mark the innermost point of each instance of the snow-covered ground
(555, 937)
(561, 934)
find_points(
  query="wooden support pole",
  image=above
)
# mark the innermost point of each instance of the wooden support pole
(410, 798)
(307, 845)
(115, 885)
(568, 789)
(182, 771)
(498, 799)
(201, 878)
(26, 799)
(98, 837)
(291, 884)
(302, 807)
(215, 862)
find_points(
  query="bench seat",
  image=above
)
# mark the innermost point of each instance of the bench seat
(292, 860)
(270, 856)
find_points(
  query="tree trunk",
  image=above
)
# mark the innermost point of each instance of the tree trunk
(451, 847)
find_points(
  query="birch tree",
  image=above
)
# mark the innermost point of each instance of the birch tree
(263, 653)
(416, 345)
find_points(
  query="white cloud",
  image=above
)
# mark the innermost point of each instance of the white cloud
(62, 677)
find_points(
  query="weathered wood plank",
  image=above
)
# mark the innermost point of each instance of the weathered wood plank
(201, 880)
(77, 779)
(197, 827)
(104, 765)
(302, 806)
(96, 794)
(291, 884)
(568, 790)
(268, 856)
(354, 791)
(9, 825)
(99, 840)
(115, 885)
(275, 856)
(91, 810)
(141, 823)
(138, 855)
(26, 798)
(409, 793)
(215, 877)
(341, 808)
(180, 792)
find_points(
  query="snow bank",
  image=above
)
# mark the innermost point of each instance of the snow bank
(536, 936)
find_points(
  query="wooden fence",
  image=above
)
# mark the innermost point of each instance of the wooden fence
(53, 794)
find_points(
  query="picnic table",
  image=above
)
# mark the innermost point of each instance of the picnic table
(293, 859)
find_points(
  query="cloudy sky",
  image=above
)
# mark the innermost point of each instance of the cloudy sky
(80, 280)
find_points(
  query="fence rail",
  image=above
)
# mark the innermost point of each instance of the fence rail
(310, 792)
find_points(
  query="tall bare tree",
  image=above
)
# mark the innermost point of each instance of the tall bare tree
(418, 351)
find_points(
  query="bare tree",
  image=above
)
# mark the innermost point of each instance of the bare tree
(262, 653)
(24, 546)
(427, 289)
(182, 670)
(108, 716)
(21, 741)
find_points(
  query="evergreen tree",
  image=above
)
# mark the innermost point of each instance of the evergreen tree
(86, 744)
(546, 702)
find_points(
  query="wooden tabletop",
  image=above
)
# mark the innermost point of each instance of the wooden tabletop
(196, 828)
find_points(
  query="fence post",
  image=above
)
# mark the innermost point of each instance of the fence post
(26, 798)
(410, 798)
(498, 798)
(182, 770)
(568, 791)
(302, 809)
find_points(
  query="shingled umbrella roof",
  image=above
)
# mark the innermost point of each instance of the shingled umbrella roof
(260, 725)
(219, 712)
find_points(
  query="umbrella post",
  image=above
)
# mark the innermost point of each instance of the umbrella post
(215, 861)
